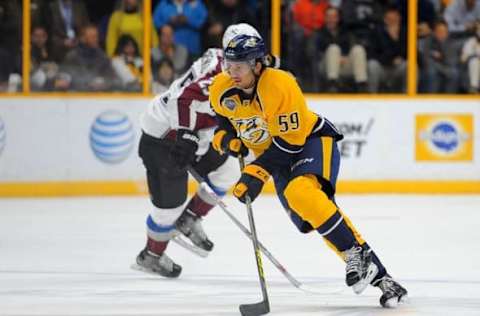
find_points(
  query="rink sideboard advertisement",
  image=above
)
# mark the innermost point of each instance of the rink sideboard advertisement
(88, 146)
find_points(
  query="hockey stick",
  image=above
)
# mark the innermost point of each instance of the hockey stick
(296, 283)
(262, 307)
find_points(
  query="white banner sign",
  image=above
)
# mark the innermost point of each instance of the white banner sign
(96, 139)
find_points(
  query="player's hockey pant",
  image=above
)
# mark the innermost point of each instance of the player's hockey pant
(168, 186)
(307, 191)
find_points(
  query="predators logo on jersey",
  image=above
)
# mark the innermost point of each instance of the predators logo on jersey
(253, 129)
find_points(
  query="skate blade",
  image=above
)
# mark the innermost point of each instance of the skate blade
(136, 267)
(179, 240)
(361, 285)
(139, 268)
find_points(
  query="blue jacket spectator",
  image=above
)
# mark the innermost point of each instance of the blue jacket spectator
(186, 17)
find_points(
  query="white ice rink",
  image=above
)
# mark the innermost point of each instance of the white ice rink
(72, 257)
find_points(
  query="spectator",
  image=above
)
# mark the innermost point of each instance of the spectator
(37, 16)
(66, 18)
(167, 48)
(307, 18)
(186, 18)
(310, 14)
(439, 73)
(164, 76)
(127, 20)
(439, 6)
(43, 70)
(128, 64)
(471, 58)
(87, 66)
(362, 18)
(40, 52)
(426, 18)
(389, 66)
(461, 16)
(222, 13)
(340, 58)
(11, 32)
(6, 69)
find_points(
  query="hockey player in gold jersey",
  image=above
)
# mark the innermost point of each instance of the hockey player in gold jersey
(264, 110)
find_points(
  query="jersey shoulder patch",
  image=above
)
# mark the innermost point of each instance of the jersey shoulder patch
(221, 83)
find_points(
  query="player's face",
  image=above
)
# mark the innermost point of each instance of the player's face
(241, 73)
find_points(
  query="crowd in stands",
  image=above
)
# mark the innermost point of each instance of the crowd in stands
(329, 45)
(351, 45)
(361, 45)
(449, 46)
(78, 45)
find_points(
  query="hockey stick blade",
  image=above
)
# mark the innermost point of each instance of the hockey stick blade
(260, 308)
(179, 240)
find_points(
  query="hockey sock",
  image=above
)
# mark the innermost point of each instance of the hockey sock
(199, 206)
(156, 247)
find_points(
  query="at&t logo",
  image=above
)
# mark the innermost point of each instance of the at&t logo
(112, 137)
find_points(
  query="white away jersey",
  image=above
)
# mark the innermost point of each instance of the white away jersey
(185, 104)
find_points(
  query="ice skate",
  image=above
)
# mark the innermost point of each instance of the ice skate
(182, 241)
(392, 292)
(190, 225)
(360, 269)
(157, 264)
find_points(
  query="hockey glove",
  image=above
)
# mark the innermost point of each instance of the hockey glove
(226, 143)
(251, 182)
(183, 151)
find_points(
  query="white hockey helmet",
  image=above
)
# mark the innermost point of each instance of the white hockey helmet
(238, 29)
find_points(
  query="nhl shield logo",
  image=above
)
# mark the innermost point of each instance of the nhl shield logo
(229, 103)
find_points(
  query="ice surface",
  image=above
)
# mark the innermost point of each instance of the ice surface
(72, 257)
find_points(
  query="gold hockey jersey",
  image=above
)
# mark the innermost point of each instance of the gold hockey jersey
(277, 111)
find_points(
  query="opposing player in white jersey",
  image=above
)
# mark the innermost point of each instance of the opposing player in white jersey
(177, 127)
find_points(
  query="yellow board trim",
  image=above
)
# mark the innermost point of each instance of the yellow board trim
(78, 188)
(99, 188)
(327, 143)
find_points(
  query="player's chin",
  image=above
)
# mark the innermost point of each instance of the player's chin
(242, 85)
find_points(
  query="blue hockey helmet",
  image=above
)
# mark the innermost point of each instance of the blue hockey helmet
(245, 48)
